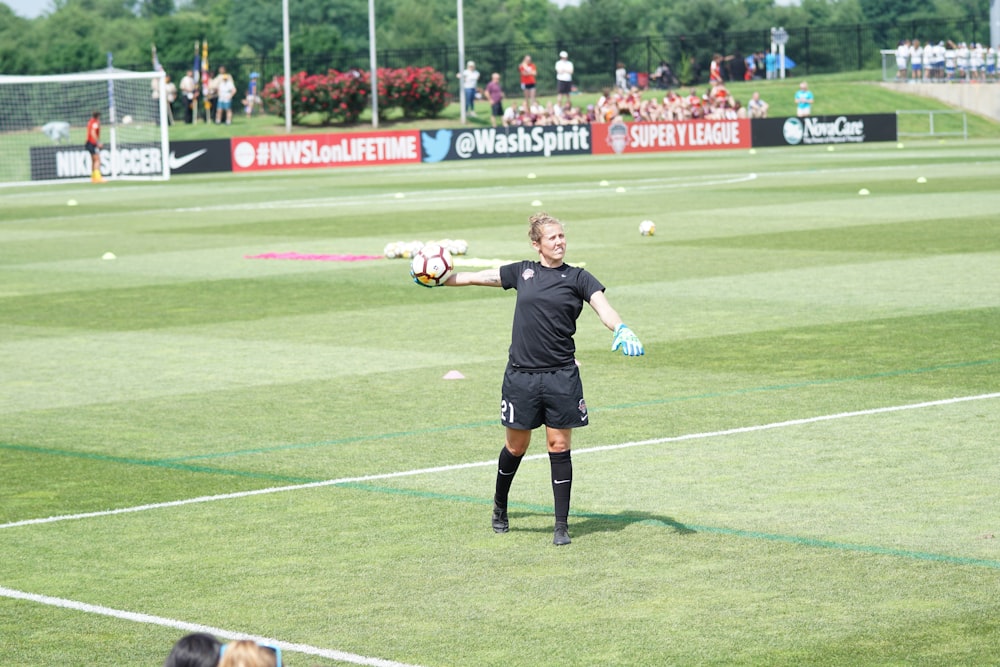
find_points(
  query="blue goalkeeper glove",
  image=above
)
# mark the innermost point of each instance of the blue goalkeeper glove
(627, 341)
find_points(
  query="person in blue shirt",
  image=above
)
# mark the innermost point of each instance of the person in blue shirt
(803, 100)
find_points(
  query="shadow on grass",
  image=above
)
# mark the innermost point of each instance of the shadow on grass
(585, 523)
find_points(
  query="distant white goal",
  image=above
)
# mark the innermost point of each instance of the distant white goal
(43, 121)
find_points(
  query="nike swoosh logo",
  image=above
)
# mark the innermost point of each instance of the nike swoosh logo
(505, 474)
(178, 162)
(561, 481)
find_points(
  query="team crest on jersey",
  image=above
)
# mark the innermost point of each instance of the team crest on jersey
(528, 274)
(582, 407)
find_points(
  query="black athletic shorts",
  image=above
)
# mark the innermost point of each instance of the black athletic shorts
(564, 87)
(553, 398)
(91, 147)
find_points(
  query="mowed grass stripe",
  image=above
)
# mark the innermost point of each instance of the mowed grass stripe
(182, 462)
(363, 483)
(627, 518)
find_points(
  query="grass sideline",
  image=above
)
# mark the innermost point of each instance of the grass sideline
(798, 472)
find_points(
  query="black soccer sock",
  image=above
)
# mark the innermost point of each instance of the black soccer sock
(506, 468)
(561, 465)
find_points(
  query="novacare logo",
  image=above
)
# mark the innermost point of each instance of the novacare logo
(792, 131)
(847, 130)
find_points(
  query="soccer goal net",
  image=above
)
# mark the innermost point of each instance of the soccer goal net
(43, 125)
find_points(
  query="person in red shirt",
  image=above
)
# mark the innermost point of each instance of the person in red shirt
(528, 73)
(94, 146)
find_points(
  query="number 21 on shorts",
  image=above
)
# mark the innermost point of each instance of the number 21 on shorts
(506, 411)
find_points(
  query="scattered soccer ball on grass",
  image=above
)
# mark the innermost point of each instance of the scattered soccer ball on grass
(647, 228)
(431, 265)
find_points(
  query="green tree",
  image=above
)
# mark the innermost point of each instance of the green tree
(489, 22)
(255, 23)
(17, 43)
(148, 9)
(175, 36)
(533, 20)
(886, 11)
(417, 24)
(67, 41)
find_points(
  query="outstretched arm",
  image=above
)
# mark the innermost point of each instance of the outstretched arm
(484, 278)
(609, 316)
(624, 338)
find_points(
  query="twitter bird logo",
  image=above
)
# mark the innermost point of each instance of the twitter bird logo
(436, 147)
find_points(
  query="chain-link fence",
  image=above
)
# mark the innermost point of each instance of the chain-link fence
(813, 50)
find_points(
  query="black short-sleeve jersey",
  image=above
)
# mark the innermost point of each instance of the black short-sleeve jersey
(549, 301)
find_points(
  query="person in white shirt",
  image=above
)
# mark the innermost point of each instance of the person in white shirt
(962, 60)
(756, 107)
(977, 57)
(928, 61)
(916, 61)
(950, 54)
(470, 79)
(564, 79)
(902, 59)
(226, 89)
(189, 96)
(937, 61)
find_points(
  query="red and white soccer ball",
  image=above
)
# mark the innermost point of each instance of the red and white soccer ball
(431, 264)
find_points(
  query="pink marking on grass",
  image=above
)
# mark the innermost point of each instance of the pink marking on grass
(313, 257)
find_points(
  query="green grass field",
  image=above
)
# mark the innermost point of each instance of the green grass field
(802, 470)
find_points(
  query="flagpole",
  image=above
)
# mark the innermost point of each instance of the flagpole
(373, 62)
(196, 74)
(288, 66)
(206, 82)
(461, 58)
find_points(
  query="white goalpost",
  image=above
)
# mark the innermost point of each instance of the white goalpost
(43, 121)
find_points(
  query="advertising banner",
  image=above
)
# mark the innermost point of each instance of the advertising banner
(200, 157)
(48, 162)
(186, 157)
(325, 150)
(664, 136)
(813, 130)
(492, 142)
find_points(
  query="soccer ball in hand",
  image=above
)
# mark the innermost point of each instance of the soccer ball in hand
(647, 228)
(431, 265)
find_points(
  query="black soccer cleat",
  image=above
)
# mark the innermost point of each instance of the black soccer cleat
(561, 535)
(500, 522)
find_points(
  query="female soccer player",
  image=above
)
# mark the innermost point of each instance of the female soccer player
(541, 384)
(94, 146)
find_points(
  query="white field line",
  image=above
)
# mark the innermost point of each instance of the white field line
(194, 627)
(498, 192)
(476, 194)
(378, 662)
(492, 462)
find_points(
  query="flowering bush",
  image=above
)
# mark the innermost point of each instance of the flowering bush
(331, 96)
(417, 91)
(342, 96)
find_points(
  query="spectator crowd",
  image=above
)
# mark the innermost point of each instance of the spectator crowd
(945, 62)
(625, 101)
(632, 104)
